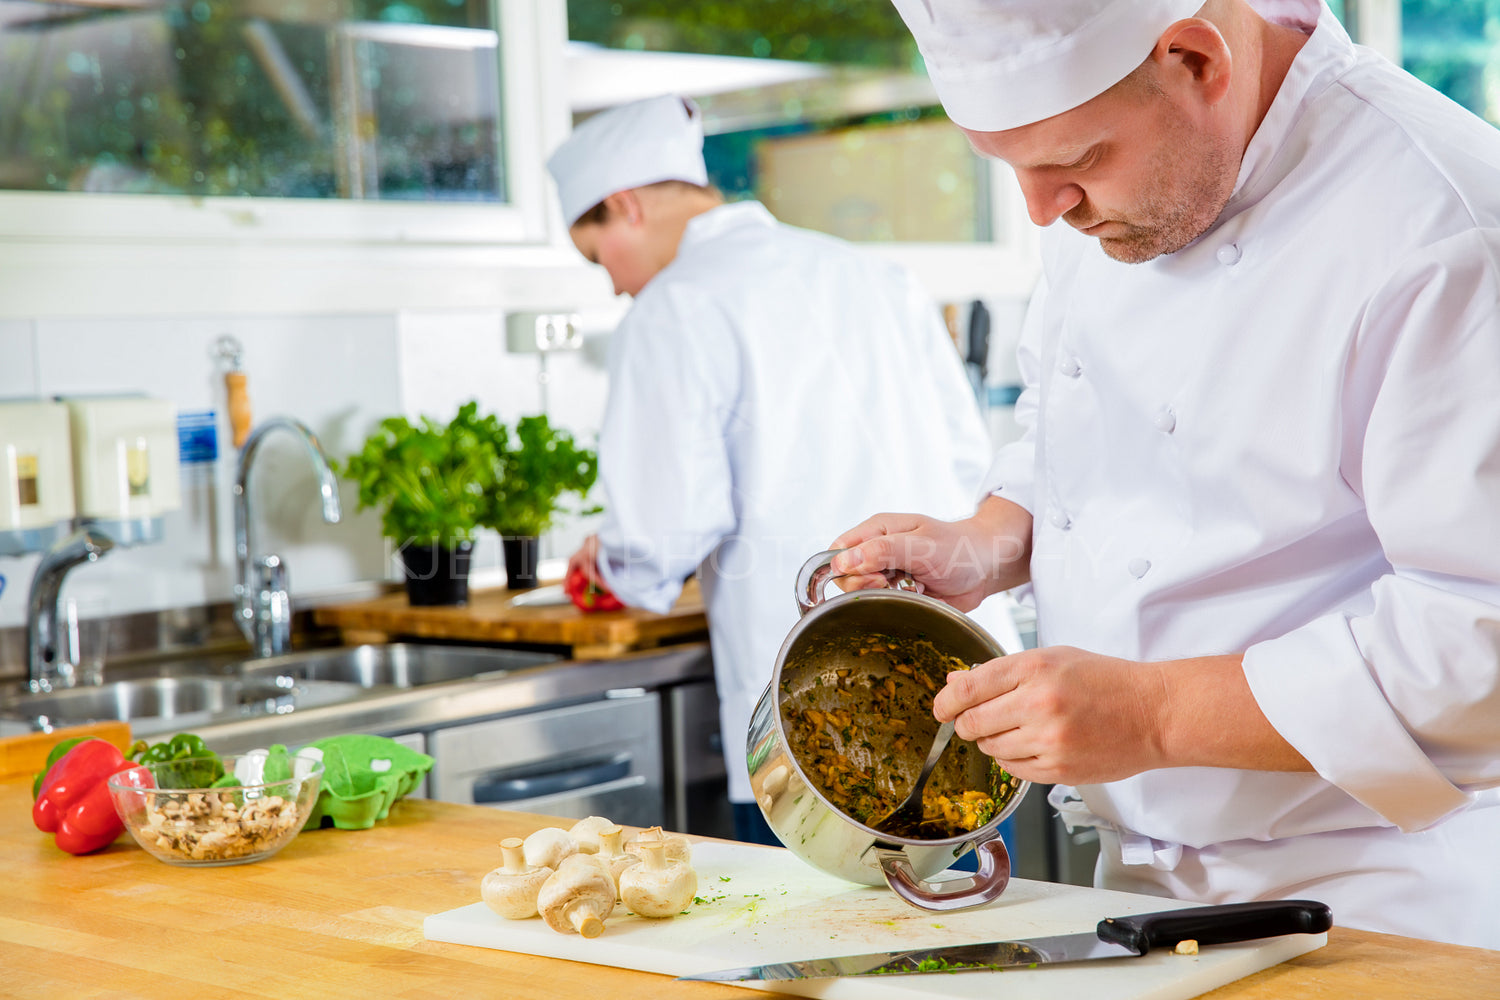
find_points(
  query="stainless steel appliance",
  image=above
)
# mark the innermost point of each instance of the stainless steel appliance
(696, 781)
(599, 758)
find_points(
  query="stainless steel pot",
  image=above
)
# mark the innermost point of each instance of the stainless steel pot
(825, 647)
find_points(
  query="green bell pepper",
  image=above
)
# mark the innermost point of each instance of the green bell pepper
(206, 770)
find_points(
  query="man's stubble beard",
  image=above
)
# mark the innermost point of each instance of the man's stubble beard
(1177, 208)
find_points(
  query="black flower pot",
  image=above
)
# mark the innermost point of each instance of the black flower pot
(436, 574)
(521, 553)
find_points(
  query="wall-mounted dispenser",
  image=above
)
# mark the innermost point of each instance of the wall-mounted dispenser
(541, 334)
(125, 465)
(36, 475)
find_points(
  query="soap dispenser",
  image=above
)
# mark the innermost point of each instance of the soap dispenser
(36, 475)
(125, 465)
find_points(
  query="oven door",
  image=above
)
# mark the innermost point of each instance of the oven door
(600, 758)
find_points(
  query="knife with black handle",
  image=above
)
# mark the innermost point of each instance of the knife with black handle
(1115, 937)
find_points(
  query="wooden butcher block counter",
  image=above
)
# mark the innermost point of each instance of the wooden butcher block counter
(492, 617)
(339, 914)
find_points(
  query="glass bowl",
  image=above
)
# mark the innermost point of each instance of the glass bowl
(181, 824)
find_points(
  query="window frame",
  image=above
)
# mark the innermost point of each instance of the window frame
(166, 219)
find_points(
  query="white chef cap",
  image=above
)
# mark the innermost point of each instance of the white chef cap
(1001, 64)
(658, 139)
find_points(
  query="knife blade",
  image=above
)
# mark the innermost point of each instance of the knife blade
(1115, 937)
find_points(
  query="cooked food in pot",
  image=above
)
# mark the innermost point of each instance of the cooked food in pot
(858, 718)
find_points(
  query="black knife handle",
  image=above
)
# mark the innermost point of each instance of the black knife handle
(1216, 924)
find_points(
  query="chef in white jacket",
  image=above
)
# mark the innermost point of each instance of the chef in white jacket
(1258, 503)
(768, 387)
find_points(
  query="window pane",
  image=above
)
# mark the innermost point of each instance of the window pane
(817, 108)
(1454, 45)
(271, 98)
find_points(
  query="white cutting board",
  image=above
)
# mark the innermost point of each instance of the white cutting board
(763, 904)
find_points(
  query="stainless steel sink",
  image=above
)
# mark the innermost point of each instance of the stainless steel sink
(159, 704)
(400, 665)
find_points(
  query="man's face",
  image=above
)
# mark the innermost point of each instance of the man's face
(1139, 172)
(620, 248)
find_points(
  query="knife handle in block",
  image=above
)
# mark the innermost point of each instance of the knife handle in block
(239, 406)
(1216, 924)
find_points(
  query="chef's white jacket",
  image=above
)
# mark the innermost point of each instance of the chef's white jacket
(1285, 439)
(770, 389)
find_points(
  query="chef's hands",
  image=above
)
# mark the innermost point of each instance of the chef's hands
(960, 562)
(1060, 715)
(586, 561)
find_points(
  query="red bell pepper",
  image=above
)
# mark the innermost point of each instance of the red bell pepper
(587, 595)
(75, 803)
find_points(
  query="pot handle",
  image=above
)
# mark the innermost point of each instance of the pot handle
(817, 571)
(982, 887)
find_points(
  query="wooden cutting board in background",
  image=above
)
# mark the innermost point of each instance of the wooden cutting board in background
(491, 617)
(23, 756)
(762, 904)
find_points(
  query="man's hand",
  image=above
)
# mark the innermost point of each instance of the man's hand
(586, 561)
(960, 562)
(1060, 715)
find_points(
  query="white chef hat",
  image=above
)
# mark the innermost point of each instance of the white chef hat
(658, 139)
(1001, 64)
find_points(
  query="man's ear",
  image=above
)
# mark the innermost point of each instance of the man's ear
(1195, 51)
(626, 205)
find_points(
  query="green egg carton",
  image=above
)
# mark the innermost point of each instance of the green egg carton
(363, 776)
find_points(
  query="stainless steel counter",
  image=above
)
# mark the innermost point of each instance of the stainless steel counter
(318, 707)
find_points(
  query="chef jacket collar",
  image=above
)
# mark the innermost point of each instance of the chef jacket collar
(1327, 54)
(707, 225)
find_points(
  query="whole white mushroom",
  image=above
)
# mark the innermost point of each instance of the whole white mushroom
(511, 890)
(577, 898)
(547, 847)
(657, 887)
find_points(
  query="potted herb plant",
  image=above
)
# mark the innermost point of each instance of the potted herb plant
(434, 485)
(542, 465)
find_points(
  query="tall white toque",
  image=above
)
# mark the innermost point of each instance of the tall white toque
(657, 139)
(1001, 64)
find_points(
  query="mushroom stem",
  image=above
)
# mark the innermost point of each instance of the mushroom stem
(586, 920)
(515, 857)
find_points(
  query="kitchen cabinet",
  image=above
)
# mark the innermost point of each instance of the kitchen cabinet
(417, 742)
(339, 914)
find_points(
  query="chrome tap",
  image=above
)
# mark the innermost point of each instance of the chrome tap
(52, 663)
(265, 606)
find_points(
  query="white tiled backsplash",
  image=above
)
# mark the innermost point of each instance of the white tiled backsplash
(340, 375)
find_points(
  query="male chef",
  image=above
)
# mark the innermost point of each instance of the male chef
(769, 387)
(1258, 503)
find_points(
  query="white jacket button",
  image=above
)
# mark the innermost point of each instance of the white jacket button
(1165, 420)
(1070, 367)
(1060, 520)
(1138, 567)
(1228, 254)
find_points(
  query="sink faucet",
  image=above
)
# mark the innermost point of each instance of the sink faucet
(51, 663)
(265, 606)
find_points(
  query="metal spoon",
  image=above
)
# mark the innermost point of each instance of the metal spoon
(908, 815)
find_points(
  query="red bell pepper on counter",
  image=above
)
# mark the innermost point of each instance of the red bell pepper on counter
(74, 801)
(587, 595)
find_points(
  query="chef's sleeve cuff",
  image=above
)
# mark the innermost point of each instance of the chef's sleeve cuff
(1316, 690)
(640, 586)
(1012, 475)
